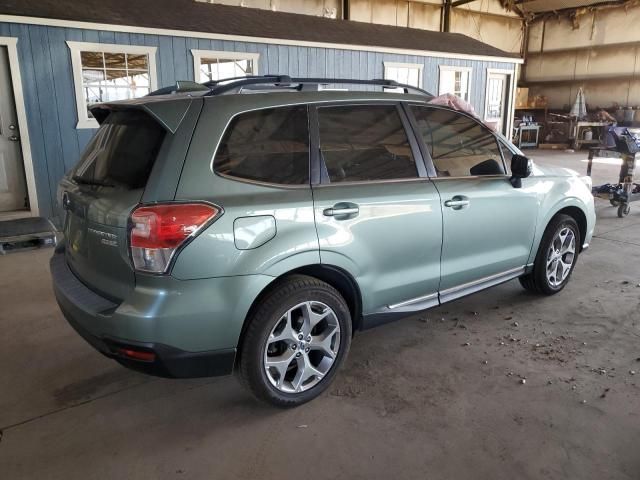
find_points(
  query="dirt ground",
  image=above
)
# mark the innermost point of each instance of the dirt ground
(499, 385)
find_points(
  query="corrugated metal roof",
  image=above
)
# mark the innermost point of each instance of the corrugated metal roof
(191, 16)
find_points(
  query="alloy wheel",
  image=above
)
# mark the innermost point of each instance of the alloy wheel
(560, 257)
(302, 347)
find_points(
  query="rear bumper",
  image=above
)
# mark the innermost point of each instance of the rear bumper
(169, 362)
(191, 327)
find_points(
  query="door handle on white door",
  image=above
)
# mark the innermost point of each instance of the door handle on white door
(458, 202)
(341, 209)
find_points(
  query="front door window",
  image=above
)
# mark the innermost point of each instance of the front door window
(459, 145)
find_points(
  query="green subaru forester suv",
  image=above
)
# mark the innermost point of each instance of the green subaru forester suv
(254, 225)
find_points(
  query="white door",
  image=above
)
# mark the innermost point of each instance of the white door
(497, 88)
(13, 188)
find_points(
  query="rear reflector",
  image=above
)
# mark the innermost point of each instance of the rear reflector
(137, 354)
(159, 230)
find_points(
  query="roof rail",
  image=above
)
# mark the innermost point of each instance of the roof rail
(235, 85)
(213, 83)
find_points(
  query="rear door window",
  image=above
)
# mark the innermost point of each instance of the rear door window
(269, 145)
(459, 145)
(122, 152)
(365, 143)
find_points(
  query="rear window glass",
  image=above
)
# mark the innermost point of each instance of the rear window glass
(270, 145)
(122, 152)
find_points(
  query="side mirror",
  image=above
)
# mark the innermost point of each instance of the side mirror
(521, 167)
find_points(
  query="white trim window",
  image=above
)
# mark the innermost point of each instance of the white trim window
(211, 65)
(405, 73)
(104, 72)
(455, 80)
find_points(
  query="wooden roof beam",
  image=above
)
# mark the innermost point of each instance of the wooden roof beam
(459, 3)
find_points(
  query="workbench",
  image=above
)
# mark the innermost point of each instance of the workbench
(577, 129)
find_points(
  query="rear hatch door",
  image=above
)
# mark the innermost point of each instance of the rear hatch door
(108, 182)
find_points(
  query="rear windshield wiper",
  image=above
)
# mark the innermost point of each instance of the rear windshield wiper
(89, 181)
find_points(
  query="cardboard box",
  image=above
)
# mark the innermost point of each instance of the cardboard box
(522, 98)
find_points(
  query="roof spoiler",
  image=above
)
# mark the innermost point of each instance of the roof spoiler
(167, 113)
(181, 86)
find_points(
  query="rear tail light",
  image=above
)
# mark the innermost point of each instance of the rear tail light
(158, 231)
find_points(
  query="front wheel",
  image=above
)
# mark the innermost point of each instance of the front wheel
(556, 257)
(295, 341)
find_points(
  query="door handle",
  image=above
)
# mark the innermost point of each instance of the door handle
(339, 211)
(458, 202)
(14, 138)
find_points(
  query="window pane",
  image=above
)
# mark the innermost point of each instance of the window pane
(108, 76)
(226, 68)
(247, 65)
(92, 60)
(206, 72)
(116, 77)
(219, 68)
(139, 80)
(137, 62)
(115, 60)
(447, 82)
(407, 75)
(92, 76)
(403, 75)
(455, 82)
(270, 145)
(111, 94)
(459, 145)
(92, 94)
(243, 68)
(391, 73)
(464, 85)
(364, 142)
(414, 77)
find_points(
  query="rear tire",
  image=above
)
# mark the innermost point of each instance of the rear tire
(556, 258)
(295, 341)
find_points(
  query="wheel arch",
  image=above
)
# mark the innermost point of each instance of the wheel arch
(579, 216)
(571, 206)
(335, 276)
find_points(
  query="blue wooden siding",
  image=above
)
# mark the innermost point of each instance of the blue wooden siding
(49, 95)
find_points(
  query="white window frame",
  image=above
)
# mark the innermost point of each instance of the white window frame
(84, 121)
(419, 66)
(198, 55)
(453, 68)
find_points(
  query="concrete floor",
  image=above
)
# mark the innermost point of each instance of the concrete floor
(411, 402)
